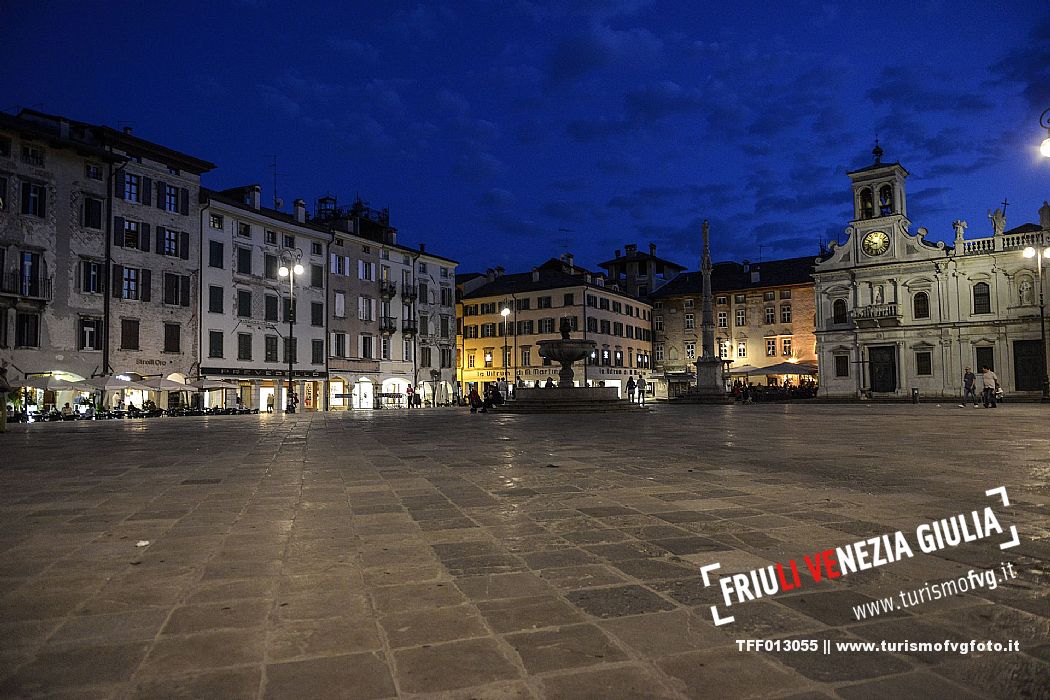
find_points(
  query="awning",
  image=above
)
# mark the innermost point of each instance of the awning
(208, 384)
(793, 368)
(47, 383)
(109, 383)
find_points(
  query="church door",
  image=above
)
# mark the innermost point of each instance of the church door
(1028, 365)
(882, 361)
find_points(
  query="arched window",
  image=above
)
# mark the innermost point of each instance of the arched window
(867, 204)
(982, 298)
(885, 200)
(838, 311)
(920, 305)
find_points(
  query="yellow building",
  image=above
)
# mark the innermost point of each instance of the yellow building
(764, 315)
(501, 319)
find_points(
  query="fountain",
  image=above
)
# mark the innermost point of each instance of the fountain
(566, 398)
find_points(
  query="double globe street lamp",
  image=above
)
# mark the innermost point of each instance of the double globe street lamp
(1040, 255)
(290, 267)
(505, 313)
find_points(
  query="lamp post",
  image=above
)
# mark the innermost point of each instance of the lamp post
(505, 313)
(1044, 121)
(290, 267)
(1040, 255)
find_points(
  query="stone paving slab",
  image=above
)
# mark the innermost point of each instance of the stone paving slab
(435, 554)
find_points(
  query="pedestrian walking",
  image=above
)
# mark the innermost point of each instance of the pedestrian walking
(969, 387)
(630, 388)
(991, 385)
(411, 394)
(642, 387)
(269, 403)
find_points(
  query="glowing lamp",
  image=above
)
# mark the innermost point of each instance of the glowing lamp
(1029, 252)
(282, 271)
(298, 269)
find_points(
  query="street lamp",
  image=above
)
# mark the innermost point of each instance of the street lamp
(1040, 255)
(290, 268)
(505, 313)
(1044, 121)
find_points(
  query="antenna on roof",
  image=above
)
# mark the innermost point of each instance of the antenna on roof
(277, 201)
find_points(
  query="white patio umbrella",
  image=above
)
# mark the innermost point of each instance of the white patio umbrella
(46, 382)
(162, 384)
(109, 382)
(209, 384)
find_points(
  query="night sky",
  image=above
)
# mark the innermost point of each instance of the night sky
(509, 132)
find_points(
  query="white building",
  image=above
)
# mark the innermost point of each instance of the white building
(245, 303)
(895, 312)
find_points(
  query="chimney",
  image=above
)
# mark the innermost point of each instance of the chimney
(617, 252)
(569, 262)
(747, 266)
(652, 249)
(755, 274)
(422, 247)
(254, 197)
(499, 270)
(490, 274)
(300, 210)
(535, 274)
(630, 248)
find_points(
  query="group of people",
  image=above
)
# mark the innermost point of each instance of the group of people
(641, 387)
(493, 397)
(991, 390)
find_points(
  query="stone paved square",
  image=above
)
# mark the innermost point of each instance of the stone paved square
(439, 554)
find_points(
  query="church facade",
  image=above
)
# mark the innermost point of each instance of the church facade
(895, 312)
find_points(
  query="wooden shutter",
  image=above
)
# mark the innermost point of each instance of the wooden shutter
(118, 184)
(145, 284)
(159, 249)
(162, 189)
(118, 231)
(144, 237)
(145, 190)
(118, 280)
(184, 292)
(373, 271)
(184, 201)
(184, 246)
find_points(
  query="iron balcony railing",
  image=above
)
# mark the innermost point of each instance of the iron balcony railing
(409, 326)
(27, 286)
(875, 311)
(387, 289)
(387, 324)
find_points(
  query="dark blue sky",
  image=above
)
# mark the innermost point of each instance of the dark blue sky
(507, 132)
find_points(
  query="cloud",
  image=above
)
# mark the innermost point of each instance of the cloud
(1028, 66)
(354, 49)
(597, 47)
(479, 166)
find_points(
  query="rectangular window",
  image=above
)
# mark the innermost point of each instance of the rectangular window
(658, 323)
(171, 198)
(741, 317)
(424, 356)
(214, 343)
(924, 364)
(723, 349)
(289, 240)
(129, 283)
(34, 199)
(722, 300)
(316, 313)
(739, 298)
(172, 337)
(407, 350)
(690, 349)
(93, 171)
(244, 346)
(92, 213)
(215, 221)
(91, 276)
(215, 297)
(27, 330)
(543, 303)
(89, 335)
(741, 349)
(244, 303)
(270, 266)
(771, 315)
(244, 261)
(690, 322)
(384, 348)
(131, 187)
(786, 347)
(316, 276)
(769, 296)
(339, 345)
(567, 300)
(31, 155)
(271, 237)
(176, 289)
(315, 248)
(526, 357)
(244, 230)
(291, 350)
(340, 305)
(771, 347)
(785, 293)
(470, 361)
(270, 348)
(129, 334)
(366, 309)
(785, 313)
(365, 346)
(841, 365)
(169, 242)
(317, 352)
(215, 254)
(603, 303)
(723, 319)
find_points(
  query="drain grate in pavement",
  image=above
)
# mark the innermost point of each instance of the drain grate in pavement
(196, 482)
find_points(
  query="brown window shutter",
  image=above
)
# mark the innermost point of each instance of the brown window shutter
(118, 280)
(161, 189)
(184, 201)
(184, 246)
(144, 236)
(145, 190)
(145, 280)
(118, 231)
(184, 296)
(118, 184)
(159, 247)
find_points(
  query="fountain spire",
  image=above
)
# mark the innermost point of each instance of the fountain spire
(709, 381)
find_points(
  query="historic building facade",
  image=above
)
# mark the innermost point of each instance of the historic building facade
(99, 233)
(638, 273)
(246, 304)
(495, 346)
(763, 314)
(896, 312)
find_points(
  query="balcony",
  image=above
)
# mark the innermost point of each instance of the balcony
(26, 286)
(876, 316)
(387, 324)
(387, 289)
(409, 292)
(409, 326)
(1014, 241)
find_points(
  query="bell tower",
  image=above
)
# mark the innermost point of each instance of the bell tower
(880, 212)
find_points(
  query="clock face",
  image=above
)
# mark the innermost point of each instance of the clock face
(876, 243)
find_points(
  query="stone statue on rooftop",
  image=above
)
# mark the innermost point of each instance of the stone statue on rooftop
(998, 221)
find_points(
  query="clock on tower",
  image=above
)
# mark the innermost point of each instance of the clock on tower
(879, 211)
